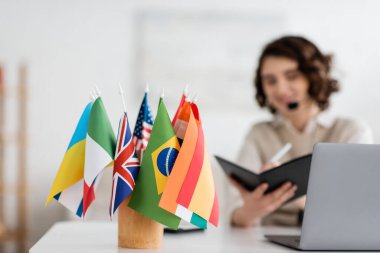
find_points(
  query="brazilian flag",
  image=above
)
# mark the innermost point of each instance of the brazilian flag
(156, 165)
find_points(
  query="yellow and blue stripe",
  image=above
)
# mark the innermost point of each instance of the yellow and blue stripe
(67, 187)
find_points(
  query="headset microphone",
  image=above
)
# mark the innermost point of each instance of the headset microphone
(293, 106)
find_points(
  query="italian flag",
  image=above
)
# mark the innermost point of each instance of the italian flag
(100, 150)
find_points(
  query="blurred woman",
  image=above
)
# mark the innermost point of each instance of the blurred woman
(294, 82)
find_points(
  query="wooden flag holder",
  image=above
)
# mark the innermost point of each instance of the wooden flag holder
(137, 231)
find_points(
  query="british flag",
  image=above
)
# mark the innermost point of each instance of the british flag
(126, 166)
(143, 127)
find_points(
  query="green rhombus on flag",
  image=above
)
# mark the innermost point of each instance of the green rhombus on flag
(158, 159)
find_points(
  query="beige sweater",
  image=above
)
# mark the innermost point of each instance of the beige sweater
(266, 138)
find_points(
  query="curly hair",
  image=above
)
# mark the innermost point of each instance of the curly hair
(311, 62)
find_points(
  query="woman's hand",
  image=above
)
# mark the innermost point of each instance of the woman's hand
(257, 205)
(300, 202)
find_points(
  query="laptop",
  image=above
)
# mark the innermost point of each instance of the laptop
(342, 210)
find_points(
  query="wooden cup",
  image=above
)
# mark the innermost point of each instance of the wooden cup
(137, 231)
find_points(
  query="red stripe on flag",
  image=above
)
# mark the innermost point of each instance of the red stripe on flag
(127, 176)
(148, 130)
(138, 144)
(193, 173)
(133, 164)
(88, 197)
(214, 216)
(183, 98)
(195, 110)
(122, 157)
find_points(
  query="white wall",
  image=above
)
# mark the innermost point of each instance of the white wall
(72, 45)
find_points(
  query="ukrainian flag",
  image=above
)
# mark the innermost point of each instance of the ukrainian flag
(67, 187)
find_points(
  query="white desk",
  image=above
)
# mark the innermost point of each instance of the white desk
(93, 237)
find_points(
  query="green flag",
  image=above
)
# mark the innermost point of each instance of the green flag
(156, 165)
(100, 150)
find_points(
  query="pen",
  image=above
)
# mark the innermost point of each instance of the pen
(285, 149)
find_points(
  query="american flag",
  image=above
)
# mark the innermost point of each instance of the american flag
(143, 127)
(126, 166)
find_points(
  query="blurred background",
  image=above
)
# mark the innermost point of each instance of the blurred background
(52, 53)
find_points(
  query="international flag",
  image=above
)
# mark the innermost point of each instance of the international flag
(100, 150)
(183, 99)
(163, 160)
(156, 166)
(187, 130)
(143, 127)
(126, 165)
(198, 192)
(67, 187)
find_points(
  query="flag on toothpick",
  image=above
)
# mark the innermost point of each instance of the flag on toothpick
(100, 150)
(67, 187)
(126, 166)
(157, 162)
(126, 163)
(183, 99)
(198, 192)
(143, 127)
(187, 132)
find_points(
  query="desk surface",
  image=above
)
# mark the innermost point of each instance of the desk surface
(83, 237)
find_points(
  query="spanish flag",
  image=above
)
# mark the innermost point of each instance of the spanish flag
(198, 192)
(156, 165)
(187, 132)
